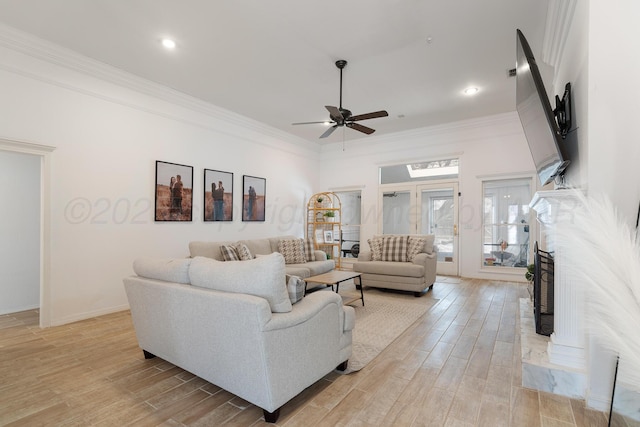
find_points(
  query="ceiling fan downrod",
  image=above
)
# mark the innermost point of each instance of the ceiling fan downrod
(341, 63)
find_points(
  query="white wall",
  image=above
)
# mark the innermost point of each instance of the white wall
(614, 137)
(20, 231)
(107, 139)
(600, 59)
(572, 66)
(492, 147)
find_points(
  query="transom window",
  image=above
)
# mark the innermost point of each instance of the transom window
(420, 171)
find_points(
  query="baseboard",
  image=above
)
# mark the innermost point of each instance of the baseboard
(19, 309)
(88, 315)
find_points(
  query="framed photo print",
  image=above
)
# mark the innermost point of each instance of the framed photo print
(253, 198)
(319, 237)
(218, 195)
(174, 192)
(328, 236)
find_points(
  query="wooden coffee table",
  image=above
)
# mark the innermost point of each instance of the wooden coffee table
(334, 278)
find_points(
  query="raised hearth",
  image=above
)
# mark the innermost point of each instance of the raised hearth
(538, 372)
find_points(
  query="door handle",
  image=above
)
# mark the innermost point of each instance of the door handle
(455, 229)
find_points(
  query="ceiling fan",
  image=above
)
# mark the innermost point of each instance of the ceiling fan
(342, 117)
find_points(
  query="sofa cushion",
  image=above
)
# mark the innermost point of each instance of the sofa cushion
(258, 246)
(416, 245)
(395, 248)
(207, 249)
(262, 276)
(309, 249)
(169, 270)
(376, 248)
(390, 268)
(428, 244)
(295, 287)
(300, 270)
(312, 268)
(292, 250)
(229, 253)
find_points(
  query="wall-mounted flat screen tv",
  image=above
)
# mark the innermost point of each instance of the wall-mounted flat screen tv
(538, 119)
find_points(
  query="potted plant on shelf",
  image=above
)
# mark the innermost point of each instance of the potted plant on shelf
(319, 201)
(329, 215)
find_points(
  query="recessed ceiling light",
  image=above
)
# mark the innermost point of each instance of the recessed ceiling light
(471, 91)
(168, 43)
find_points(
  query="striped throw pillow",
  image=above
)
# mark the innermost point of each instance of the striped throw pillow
(295, 287)
(229, 253)
(395, 248)
(309, 249)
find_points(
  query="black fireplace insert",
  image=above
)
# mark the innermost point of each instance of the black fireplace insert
(543, 291)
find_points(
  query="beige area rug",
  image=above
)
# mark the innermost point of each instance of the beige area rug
(384, 317)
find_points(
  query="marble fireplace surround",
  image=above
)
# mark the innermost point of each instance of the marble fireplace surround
(556, 364)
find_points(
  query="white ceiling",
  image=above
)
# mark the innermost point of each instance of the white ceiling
(274, 61)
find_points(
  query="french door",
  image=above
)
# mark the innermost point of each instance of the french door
(425, 209)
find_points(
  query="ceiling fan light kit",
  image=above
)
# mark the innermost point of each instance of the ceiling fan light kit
(340, 117)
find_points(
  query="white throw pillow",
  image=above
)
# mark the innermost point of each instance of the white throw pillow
(262, 277)
(169, 270)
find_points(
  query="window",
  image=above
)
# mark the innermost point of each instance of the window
(506, 219)
(420, 171)
(351, 202)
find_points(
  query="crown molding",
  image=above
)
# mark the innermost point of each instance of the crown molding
(559, 18)
(51, 53)
(503, 124)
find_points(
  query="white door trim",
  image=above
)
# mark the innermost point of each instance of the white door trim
(44, 151)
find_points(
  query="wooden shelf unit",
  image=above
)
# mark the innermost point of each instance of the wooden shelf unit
(318, 224)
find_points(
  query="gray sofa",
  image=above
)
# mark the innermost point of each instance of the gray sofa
(233, 324)
(266, 246)
(416, 275)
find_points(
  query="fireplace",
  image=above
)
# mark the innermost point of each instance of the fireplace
(543, 291)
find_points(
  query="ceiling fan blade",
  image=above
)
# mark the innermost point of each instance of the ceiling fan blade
(359, 127)
(329, 131)
(310, 123)
(373, 115)
(334, 113)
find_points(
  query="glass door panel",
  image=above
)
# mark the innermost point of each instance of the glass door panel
(439, 216)
(396, 212)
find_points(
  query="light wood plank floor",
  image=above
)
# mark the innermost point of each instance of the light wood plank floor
(456, 366)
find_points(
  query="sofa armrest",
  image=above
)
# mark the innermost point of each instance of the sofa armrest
(422, 258)
(308, 307)
(319, 255)
(364, 256)
(430, 263)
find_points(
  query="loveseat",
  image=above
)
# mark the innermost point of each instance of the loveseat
(234, 325)
(312, 263)
(401, 262)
